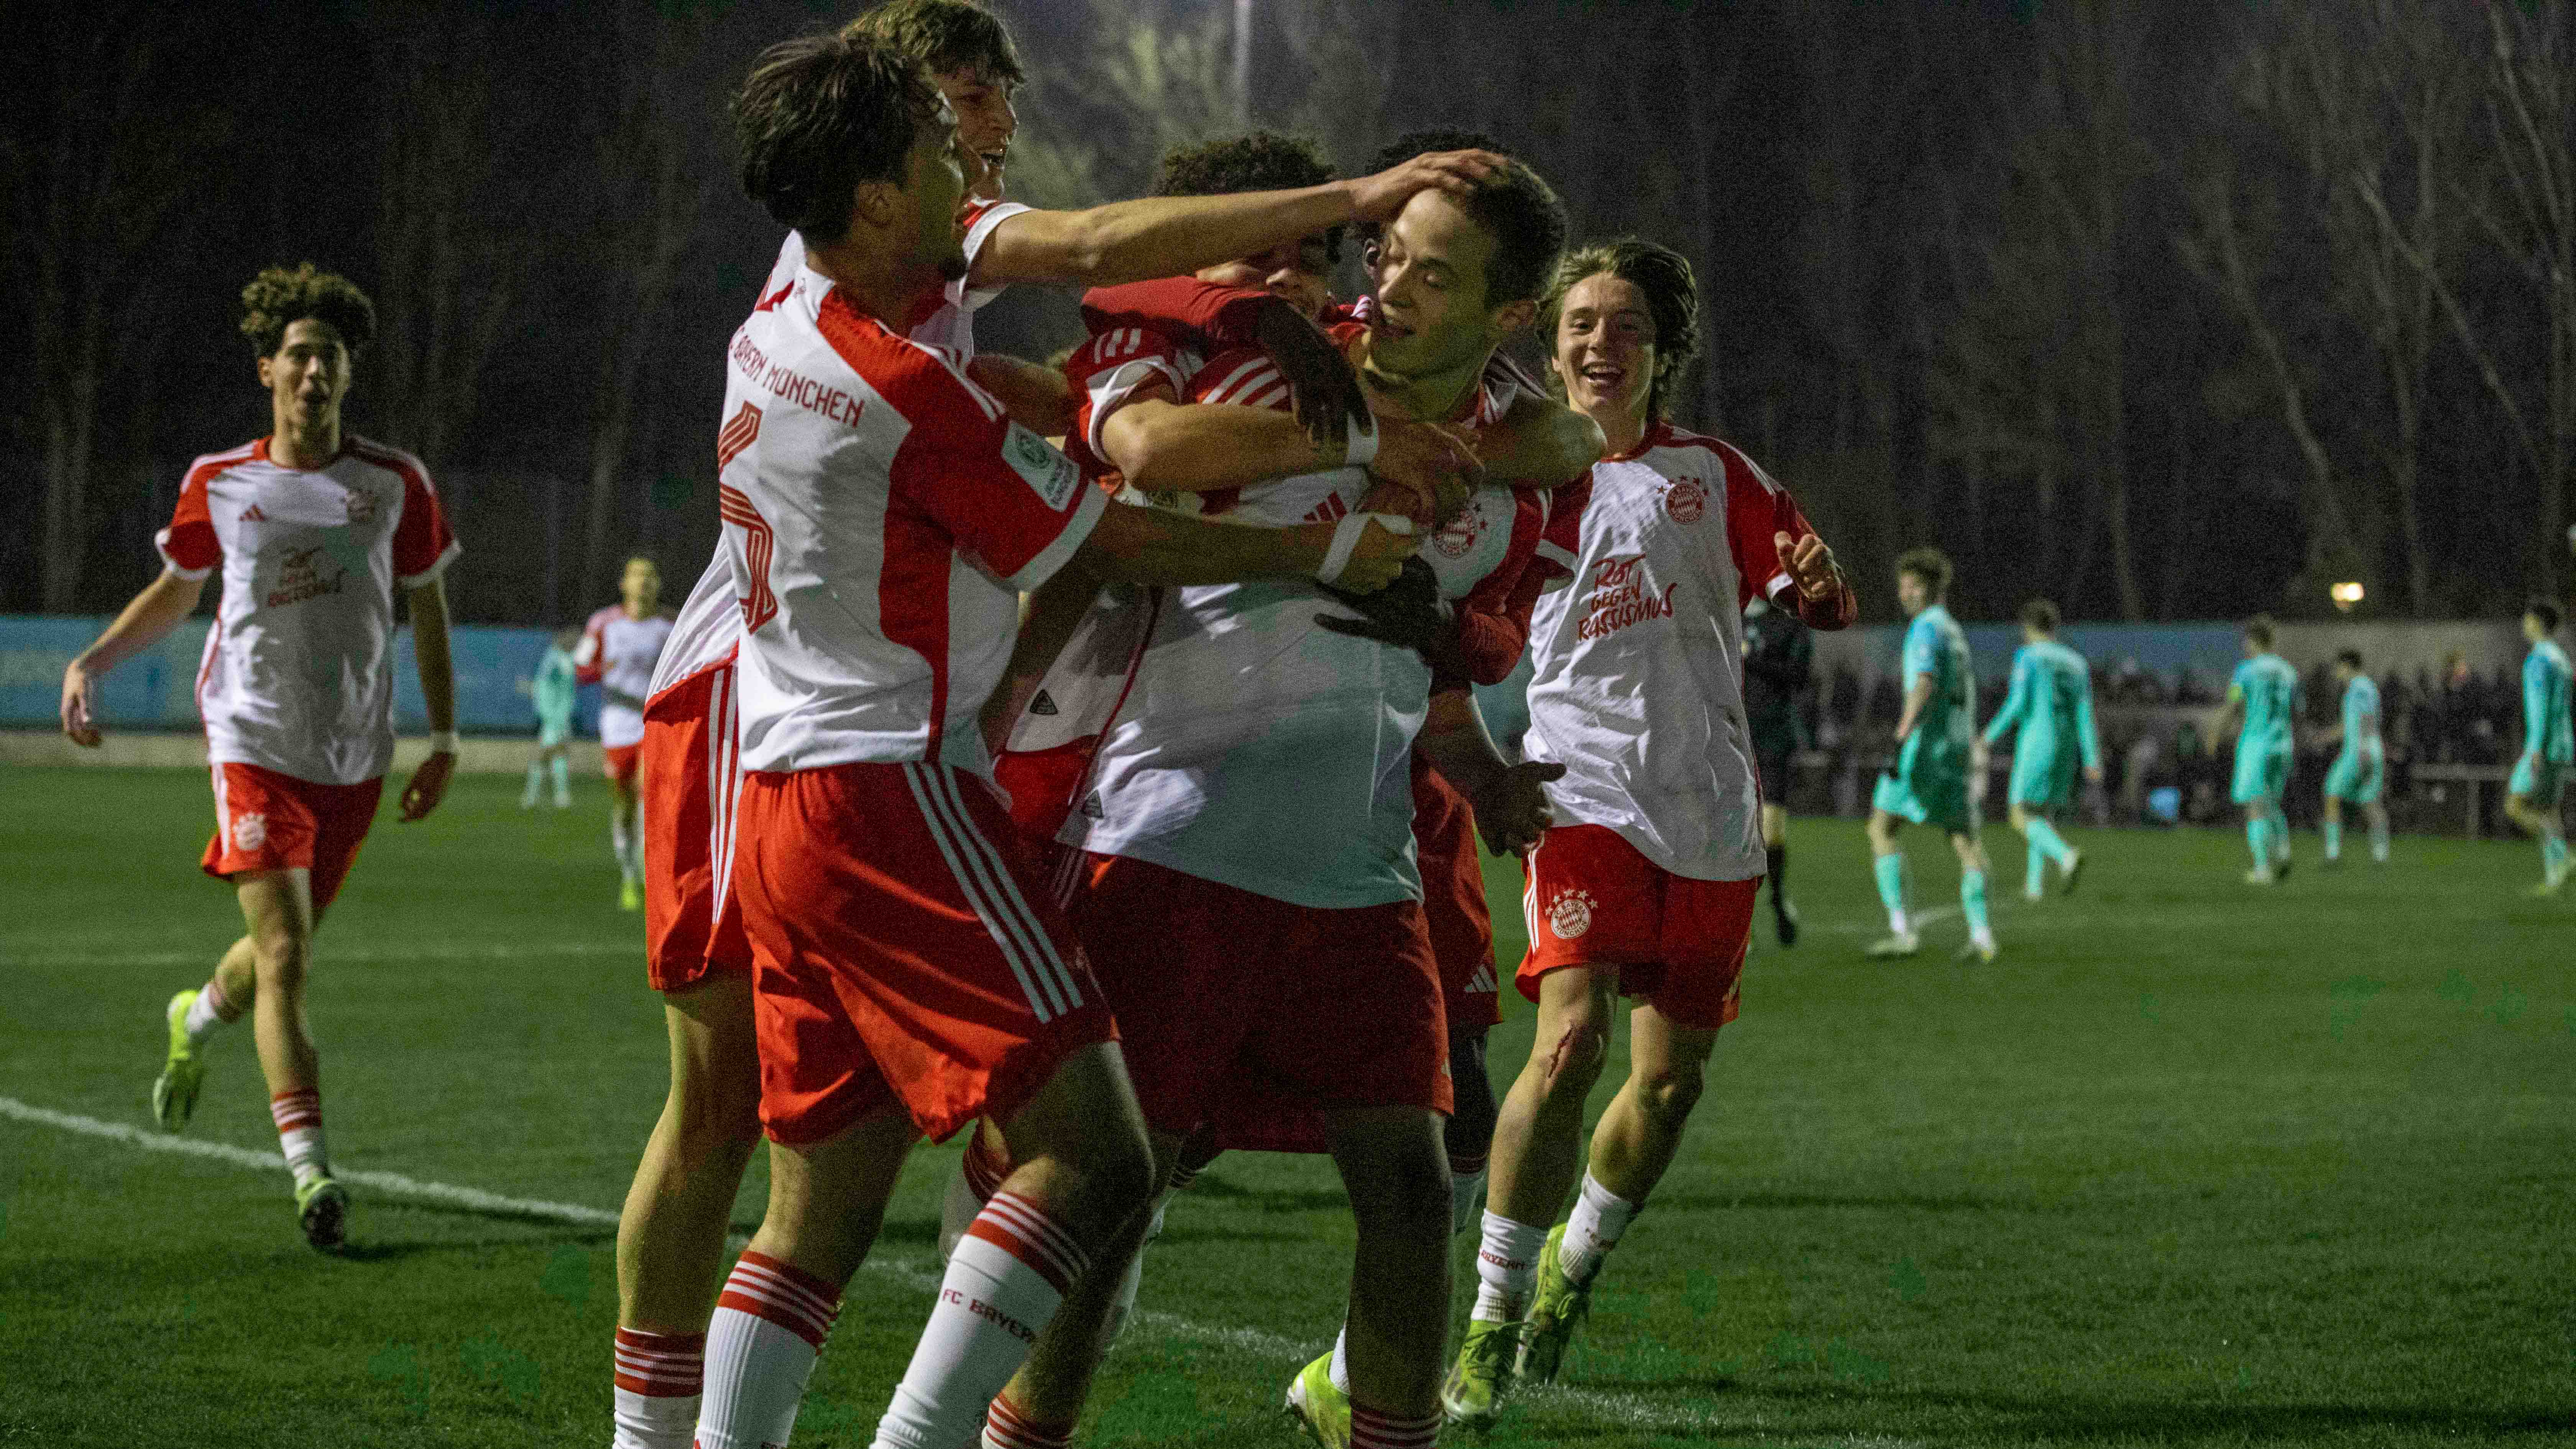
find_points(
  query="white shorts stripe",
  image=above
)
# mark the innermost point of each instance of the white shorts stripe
(957, 869)
(1014, 901)
(1021, 934)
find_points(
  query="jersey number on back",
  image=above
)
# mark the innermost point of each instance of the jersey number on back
(735, 506)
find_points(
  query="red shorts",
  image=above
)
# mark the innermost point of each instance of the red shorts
(1593, 900)
(268, 821)
(692, 781)
(902, 950)
(1226, 998)
(619, 761)
(1453, 899)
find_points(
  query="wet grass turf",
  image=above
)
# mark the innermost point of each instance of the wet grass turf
(2190, 1164)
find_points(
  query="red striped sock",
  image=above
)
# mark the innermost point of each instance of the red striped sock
(1371, 1429)
(1006, 1427)
(1006, 1278)
(784, 1294)
(658, 1380)
(769, 1325)
(299, 1132)
(297, 1109)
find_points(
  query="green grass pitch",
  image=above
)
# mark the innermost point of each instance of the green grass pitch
(2191, 1164)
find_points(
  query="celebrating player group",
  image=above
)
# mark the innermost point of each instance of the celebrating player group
(1085, 758)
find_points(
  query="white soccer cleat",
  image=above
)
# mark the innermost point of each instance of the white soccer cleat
(1904, 943)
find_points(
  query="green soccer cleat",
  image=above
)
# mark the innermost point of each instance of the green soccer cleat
(174, 1092)
(322, 1210)
(630, 896)
(1555, 1313)
(2546, 889)
(1487, 1361)
(1983, 952)
(1904, 945)
(1323, 1411)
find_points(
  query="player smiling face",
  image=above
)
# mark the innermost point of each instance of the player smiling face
(1431, 312)
(1605, 347)
(308, 375)
(986, 122)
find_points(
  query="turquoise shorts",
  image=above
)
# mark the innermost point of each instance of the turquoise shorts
(1928, 798)
(2261, 775)
(553, 732)
(2356, 777)
(2043, 780)
(2538, 780)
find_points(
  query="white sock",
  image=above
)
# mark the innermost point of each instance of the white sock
(621, 843)
(205, 1013)
(659, 1380)
(1005, 1279)
(769, 1327)
(1466, 1191)
(1341, 1369)
(1600, 1216)
(1507, 1268)
(299, 1133)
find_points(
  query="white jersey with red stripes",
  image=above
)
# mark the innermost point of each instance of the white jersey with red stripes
(882, 514)
(1639, 666)
(298, 673)
(618, 652)
(709, 626)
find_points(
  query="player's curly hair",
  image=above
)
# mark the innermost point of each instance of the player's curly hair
(2547, 610)
(280, 297)
(1257, 161)
(1930, 565)
(820, 115)
(2259, 629)
(2040, 614)
(944, 36)
(1672, 300)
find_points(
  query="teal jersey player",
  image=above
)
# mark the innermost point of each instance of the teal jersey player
(1936, 755)
(2360, 766)
(2050, 706)
(553, 690)
(2265, 695)
(2548, 743)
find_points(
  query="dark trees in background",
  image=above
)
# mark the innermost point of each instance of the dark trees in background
(2165, 311)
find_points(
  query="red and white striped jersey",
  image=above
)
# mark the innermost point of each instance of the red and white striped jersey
(1639, 683)
(709, 627)
(298, 675)
(619, 652)
(882, 515)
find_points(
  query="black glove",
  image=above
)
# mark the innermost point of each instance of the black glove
(1409, 614)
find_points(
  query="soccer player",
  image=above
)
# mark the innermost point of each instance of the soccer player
(552, 692)
(1644, 885)
(1936, 753)
(1779, 657)
(316, 531)
(2361, 764)
(619, 647)
(2264, 697)
(671, 1235)
(2548, 746)
(882, 514)
(2050, 701)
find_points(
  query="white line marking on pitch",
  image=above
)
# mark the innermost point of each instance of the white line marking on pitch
(1623, 1408)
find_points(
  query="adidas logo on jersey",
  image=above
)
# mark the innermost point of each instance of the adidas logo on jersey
(1091, 806)
(1043, 704)
(1571, 915)
(253, 515)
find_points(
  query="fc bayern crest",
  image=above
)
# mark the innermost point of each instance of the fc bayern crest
(250, 832)
(1686, 500)
(1571, 915)
(1459, 538)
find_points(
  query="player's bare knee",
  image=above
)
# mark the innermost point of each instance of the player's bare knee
(1407, 1197)
(1668, 1095)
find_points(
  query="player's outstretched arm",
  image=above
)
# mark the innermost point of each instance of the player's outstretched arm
(2016, 702)
(430, 655)
(1170, 236)
(2088, 740)
(1159, 444)
(152, 613)
(1149, 546)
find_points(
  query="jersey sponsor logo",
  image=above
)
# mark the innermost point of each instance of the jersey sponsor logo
(1620, 597)
(299, 577)
(1043, 704)
(739, 431)
(1049, 474)
(250, 832)
(734, 506)
(1570, 915)
(1686, 500)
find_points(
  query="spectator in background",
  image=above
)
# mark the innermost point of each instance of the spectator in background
(1779, 659)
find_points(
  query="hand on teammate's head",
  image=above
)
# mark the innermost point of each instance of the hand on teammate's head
(1378, 198)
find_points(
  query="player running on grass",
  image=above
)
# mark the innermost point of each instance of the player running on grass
(553, 692)
(619, 647)
(1937, 756)
(2360, 766)
(2050, 701)
(316, 531)
(994, 1013)
(1644, 886)
(2533, 797)
(2264, 696)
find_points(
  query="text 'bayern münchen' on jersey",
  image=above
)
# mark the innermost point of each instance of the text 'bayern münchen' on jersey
(298, 671)
(1638, 666)
(882, 516)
